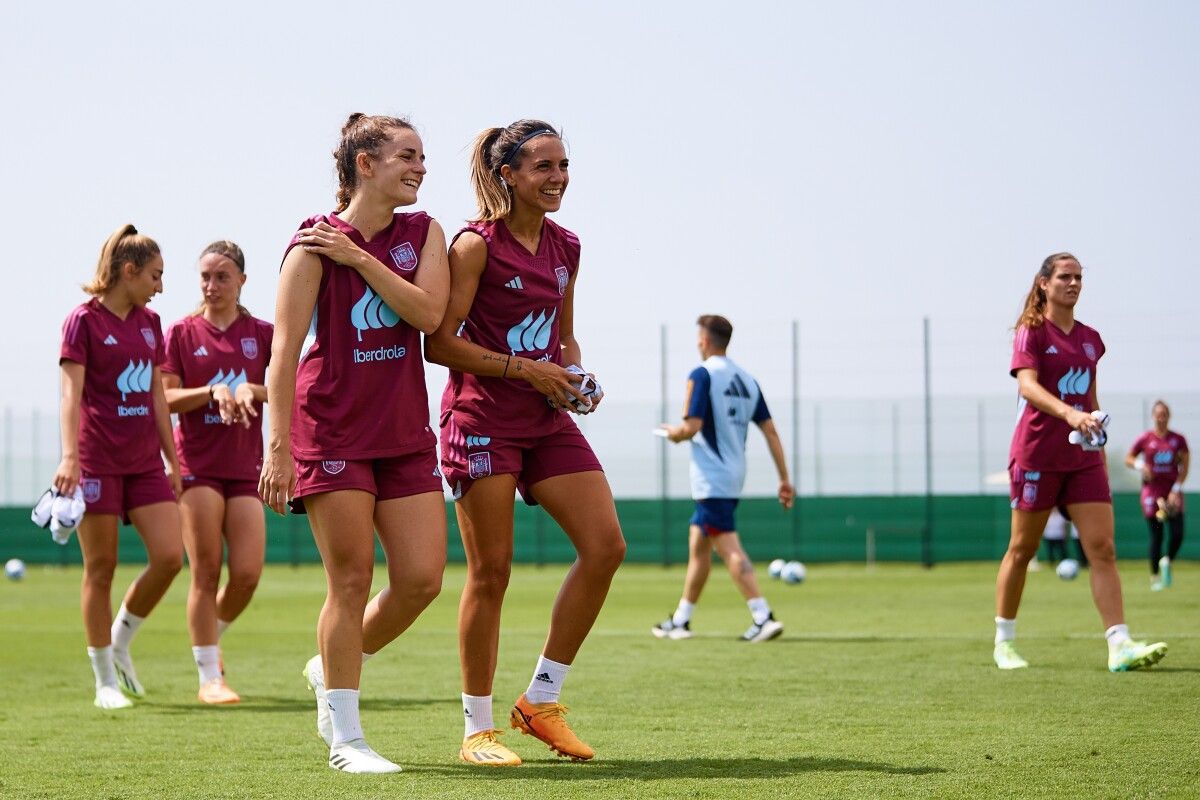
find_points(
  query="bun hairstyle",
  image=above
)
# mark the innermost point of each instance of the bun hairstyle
(361, 134)
(1034, 313)
(124, 246)
(230, 250)
(494, 148)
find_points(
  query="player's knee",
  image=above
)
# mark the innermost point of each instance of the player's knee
(98, 572)
(243, 581)
(607, 557)
(205, 578)
(350, 584)
(1102, 552)
(166, 561)
(490, 577)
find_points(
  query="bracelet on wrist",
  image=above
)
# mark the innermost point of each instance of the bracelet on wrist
(1178, 488)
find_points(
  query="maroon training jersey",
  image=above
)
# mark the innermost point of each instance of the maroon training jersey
(360, 386)
(1162, 455)
(203, 355)
(1066, 367)
(117, 433)
(516, 311)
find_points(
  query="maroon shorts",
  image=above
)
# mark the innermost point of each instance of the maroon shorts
(1039, 490)
(386, 478)
(120, 494)
(225, 487)
(468, 457)
(1151, 494)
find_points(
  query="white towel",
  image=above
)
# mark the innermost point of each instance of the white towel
(62, 514)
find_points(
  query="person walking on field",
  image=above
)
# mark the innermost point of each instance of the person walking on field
(722, 400)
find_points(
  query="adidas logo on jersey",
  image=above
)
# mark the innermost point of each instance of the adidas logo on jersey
(200, 351)
(737, 388)
(515, 283)
(1051, 350)
(110, 339)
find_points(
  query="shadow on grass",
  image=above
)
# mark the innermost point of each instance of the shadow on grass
(263, 704)
(675, 768)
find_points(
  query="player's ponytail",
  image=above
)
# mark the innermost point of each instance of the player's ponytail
(494, 148)
(360, 134)
(124, 246)
(1034, 312)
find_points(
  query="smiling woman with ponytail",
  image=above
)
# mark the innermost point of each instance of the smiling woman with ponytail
(350, 441)
(116, 434)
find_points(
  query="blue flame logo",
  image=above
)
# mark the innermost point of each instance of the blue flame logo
(231, 379)
(134, 378)
(531, 333)
(371, 312)
(1076, 381)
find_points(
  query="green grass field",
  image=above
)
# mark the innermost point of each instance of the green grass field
(882, 687)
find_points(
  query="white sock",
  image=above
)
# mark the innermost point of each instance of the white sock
(124, 628)
(102, 666)
(548, 677)
(208, 662)
(759, 609)
(343, 709)
(477, 714)
(222, 626)
(683, 612)
(1006, 630)
(1117, 635)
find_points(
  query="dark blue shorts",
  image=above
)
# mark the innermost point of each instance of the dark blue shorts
(714, 515)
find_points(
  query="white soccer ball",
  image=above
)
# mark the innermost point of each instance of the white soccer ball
(775, 568)
(14, 569)
(1067, 569)
(793, 572)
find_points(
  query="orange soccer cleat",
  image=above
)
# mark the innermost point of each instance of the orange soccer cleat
(217, 693)
(545, 721)
(484, 748)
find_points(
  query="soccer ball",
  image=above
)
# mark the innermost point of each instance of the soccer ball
(1067, 569)
(793, 572)
(775, 568)
(14, 568)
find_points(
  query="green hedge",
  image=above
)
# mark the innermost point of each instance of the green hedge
(965, 528)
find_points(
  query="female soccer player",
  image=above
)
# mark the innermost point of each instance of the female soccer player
(356, 415)
(1054, 362)
(213, 378)
(114, 423)
(1165, 459)
(509, 328)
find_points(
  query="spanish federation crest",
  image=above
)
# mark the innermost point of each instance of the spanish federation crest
(148, 335)
(91, 489)
(563, 276)
(404, 256)
(250, 347)
(1089, 350)
(479, 465)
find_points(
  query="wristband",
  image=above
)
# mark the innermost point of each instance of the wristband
(1178, 488)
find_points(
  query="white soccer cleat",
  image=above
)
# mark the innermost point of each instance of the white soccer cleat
(770, 629)
(126, 676)
(110, 698)
(314, 673)
(358, 757)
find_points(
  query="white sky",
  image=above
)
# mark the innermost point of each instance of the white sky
(852, 165)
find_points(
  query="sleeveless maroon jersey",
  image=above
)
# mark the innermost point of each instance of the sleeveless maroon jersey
(117, 433)
(1066, 367)
(203, 355)
(360, 386)
(516, 311)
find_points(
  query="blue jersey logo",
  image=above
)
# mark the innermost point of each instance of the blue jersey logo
(371, 312)
(135, 378)
(1076, 381)
(531, 333)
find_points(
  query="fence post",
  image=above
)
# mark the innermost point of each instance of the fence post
(664, 473)
(817, 449)
(795, 514)
(895, 448)
(539, 535)
(982, 451)
(927, 534)
(8, 456)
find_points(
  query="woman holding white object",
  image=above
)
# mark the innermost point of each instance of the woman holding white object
(1054, 361)
(114, 424)
(1165, 458)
